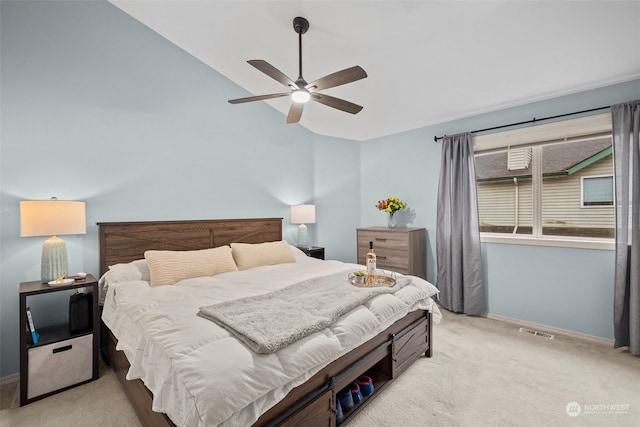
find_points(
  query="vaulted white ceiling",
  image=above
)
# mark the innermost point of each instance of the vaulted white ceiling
(427, 62)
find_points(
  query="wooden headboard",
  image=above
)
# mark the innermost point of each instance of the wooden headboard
(122, 242)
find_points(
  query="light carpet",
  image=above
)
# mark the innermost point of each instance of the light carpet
(97, 403)
(483, 373)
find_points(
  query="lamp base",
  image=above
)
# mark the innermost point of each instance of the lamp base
(54, 259)
(303, 238)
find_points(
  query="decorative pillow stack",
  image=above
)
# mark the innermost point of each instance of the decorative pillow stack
(170, 267)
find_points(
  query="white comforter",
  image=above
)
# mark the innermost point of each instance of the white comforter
(202, 376)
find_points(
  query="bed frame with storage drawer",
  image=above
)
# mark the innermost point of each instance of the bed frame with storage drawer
(312, 403)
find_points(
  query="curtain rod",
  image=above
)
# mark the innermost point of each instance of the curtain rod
(534, 120)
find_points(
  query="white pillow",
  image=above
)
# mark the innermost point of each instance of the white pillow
(143, 267)
(298, 253)
(170, 267)
(125, 272)
(251, 255)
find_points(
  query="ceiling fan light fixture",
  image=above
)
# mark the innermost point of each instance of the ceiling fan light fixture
(300, 96)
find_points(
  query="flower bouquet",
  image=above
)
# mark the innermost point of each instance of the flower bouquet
(391, 206)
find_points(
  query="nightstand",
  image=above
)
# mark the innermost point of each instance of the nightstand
(312, 251)
(61, 359)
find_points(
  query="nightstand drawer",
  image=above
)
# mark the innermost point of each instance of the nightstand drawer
(59, 365)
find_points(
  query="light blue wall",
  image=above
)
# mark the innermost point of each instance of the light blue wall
(97, 107)
(570, 289)
(337, 190)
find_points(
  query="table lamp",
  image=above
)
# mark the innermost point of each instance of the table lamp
(52, 218)
(303, 214)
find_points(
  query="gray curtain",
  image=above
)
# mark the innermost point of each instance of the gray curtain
(626, 297)
(458, 233)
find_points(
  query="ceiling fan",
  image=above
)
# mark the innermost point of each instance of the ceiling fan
(301, 91)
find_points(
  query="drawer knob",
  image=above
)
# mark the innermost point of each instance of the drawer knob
(380, 240)
(61, 349)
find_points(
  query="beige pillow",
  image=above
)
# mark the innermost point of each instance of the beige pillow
(169, 267)
(249, 255)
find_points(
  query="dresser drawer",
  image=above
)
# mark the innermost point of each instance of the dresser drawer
(384, 240)
(392, 250)
(402, 250)
(71, 359)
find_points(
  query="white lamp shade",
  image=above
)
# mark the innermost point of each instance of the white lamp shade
(52, 218)
(303, 214)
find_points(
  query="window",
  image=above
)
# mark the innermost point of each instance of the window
(597, 191)
(547, 185)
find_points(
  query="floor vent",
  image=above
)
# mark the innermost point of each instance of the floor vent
(536, 333)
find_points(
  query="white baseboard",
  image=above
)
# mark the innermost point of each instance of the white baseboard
(552, 330)
(9, 379)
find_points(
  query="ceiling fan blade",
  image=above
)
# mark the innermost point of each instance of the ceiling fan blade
(257, 98)
(295, 112)
(338, 78)
(273, 72)
(337, 103)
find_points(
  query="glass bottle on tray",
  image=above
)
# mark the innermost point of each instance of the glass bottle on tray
(371, 265)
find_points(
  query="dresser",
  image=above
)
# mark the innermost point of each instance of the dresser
(397, 249)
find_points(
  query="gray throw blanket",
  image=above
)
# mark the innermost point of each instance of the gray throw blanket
(269, 322)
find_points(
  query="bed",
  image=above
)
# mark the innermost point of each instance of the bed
(180, 368)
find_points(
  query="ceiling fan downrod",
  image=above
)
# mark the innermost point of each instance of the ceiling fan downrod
(300, 26)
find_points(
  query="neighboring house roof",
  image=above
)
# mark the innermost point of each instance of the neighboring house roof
(558, 160)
